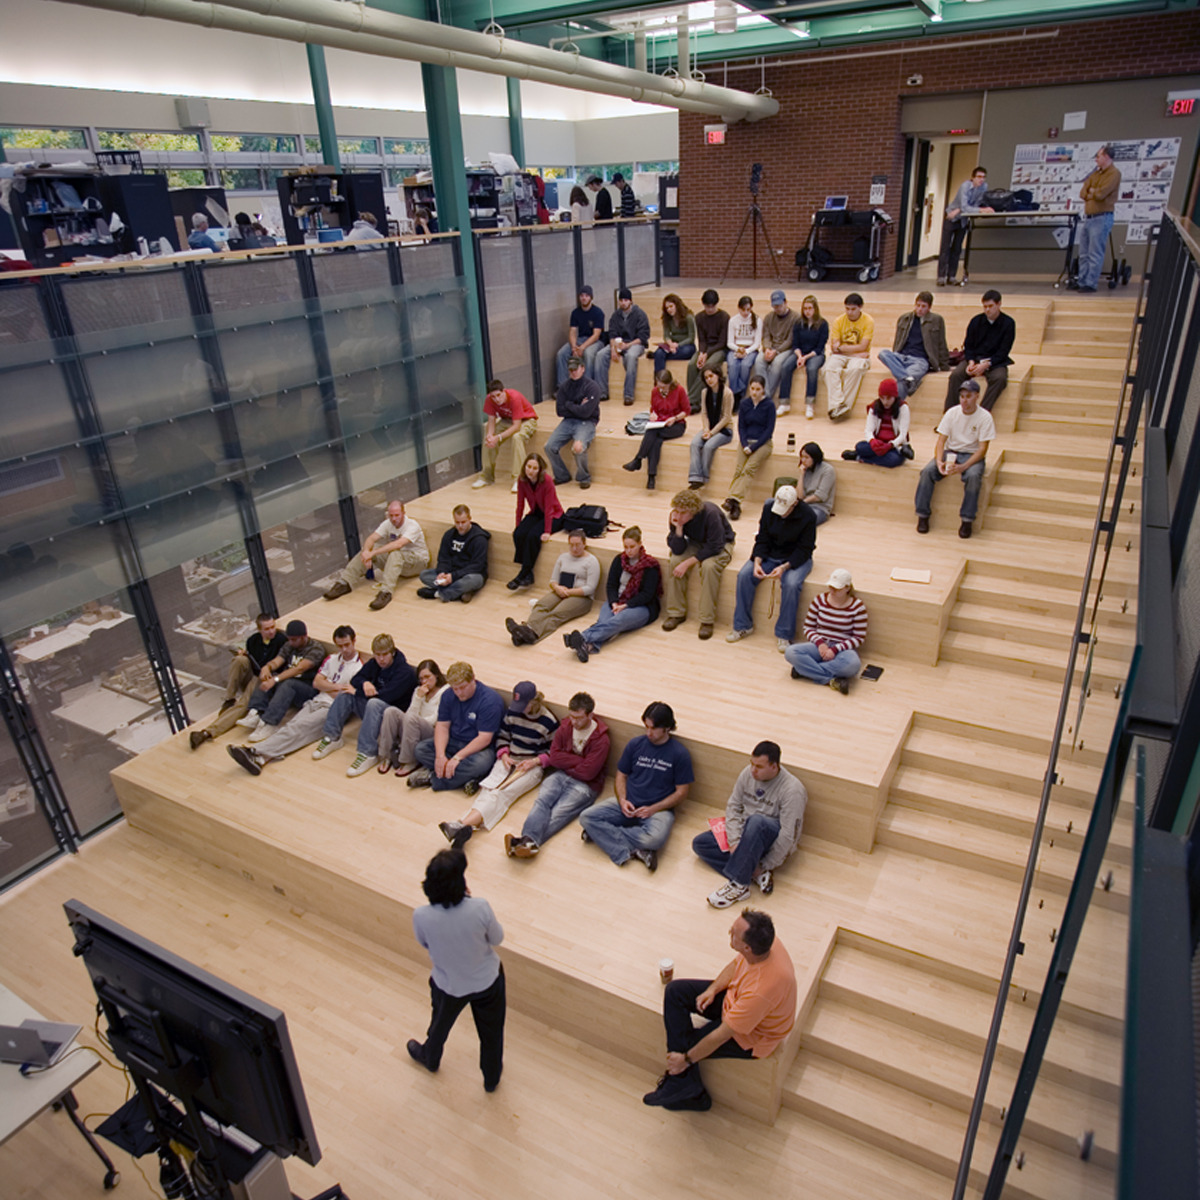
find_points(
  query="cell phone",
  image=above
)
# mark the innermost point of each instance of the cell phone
(871, 673)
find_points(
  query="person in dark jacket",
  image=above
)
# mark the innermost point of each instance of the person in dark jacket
(701, 538)
(633, 587)
(783, 550)
(987, 353)
(603, 202)
(462, 561)
(578, 404)
(628, 339)
(628, 199)
(712, 334)
(385, 681)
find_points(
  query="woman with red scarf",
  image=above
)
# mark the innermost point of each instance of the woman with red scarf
(536, 489)
(669, 410)
(633, 588)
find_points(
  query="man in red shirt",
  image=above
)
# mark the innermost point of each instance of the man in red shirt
(748, 1010)
(510, 417)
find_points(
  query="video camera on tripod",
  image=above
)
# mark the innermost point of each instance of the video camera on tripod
(755, 179)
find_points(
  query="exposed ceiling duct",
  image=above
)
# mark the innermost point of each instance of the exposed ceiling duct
(371, 31)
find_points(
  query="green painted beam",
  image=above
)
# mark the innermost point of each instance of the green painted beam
(516, 125)
(444, 124)
(324, 106)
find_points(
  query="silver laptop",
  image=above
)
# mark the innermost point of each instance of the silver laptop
(37, 1043)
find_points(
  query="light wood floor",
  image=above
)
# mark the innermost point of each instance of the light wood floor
(940, 762)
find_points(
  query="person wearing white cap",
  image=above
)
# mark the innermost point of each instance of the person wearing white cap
(783, 550)
(849, 356)
(522, 751)
(834, 628)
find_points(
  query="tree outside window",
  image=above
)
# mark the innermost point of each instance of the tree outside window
(255, 143)
(138, 139)
(43, 139)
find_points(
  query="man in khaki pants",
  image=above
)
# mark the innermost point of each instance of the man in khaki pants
(700, 538)
(245, 672)
(756, 427)
(396, 550)
(510, 417)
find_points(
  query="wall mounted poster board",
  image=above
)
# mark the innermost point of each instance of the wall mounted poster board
(1055, 171)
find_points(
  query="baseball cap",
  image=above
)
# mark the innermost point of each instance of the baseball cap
(574, 361)
(840, 578)
(969, 385)
(523, 693)
(784, 499)
(624, 294)
(586, 290)
(296, 629)
(778, 296)
(887, 387)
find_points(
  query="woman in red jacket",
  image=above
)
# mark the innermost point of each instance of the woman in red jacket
(669, 410)
(536, 489)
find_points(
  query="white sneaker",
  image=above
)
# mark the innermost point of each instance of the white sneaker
(783, 410)
(327, 746)
(766, 882)
(515, 486)
(261, 733)
(736, 635)
(361, 765)
(808, 411)
(731, 893)
(782, 644)
(481, 483)
(250, 721)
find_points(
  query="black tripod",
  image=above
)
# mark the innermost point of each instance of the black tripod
(754, 219)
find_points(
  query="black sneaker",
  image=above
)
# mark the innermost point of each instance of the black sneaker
(416, 1051)
(674, 1089)
(246, 758)
(649, 857)
(700, 1103)
(427, 593)
(906, 451)
(849, 455)
(574, 641)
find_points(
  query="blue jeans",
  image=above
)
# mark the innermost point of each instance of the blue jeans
(619, 836)
(353, 704)
(812, 374)
(588, 354)
(893, 458)
(570, 429)
(740, 370)
(703, 453)
(1093, 242)
(741, 863)
(629, 359)
(685, 351)
(474, 766)
(904, 366)
(777, 375)
(805, 658)
(972, 479)
(559, 801)
(273, 705)
(790, 583)
(456, 590)
(609, 624)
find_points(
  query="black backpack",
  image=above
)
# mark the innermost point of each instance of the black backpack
(591, 518)
(998, 199)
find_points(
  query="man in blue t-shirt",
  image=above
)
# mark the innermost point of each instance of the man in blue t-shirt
(585, 339)
(463, 744)
(653, 777)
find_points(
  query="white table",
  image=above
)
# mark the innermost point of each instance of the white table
(25, 1097)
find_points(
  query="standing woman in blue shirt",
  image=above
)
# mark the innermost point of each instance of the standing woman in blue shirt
(460, 934)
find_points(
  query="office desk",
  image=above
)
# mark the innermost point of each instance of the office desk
(23, 1098)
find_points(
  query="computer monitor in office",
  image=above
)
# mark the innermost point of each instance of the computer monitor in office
(188, 1031)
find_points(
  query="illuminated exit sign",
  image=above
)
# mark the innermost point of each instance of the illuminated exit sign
(1182, 104)
(714, 135)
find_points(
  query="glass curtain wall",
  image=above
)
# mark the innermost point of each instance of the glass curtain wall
(555, 296)
(179, 442)
(506, 294)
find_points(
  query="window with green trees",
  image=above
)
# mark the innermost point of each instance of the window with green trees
(144, 139)
(43, 139)
(256, 143)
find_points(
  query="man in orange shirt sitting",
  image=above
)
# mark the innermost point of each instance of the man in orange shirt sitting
(748, 1010)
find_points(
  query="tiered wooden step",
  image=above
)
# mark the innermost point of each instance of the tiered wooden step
(969, 794)
(890, 1054)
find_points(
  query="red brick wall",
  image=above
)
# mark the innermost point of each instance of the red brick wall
(839, 124)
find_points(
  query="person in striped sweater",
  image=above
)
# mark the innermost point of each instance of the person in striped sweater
(834, 629)
(522, 750)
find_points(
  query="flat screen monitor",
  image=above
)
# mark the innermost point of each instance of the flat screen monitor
(835, 203)
(188, 1031)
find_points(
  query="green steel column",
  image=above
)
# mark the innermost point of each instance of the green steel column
(323, 105)
(516, 127)
(450, 191)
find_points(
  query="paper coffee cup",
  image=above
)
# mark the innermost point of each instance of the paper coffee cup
(666, 970)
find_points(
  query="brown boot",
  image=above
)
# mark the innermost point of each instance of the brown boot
(198, 737)
(341, 588)
(382, 600)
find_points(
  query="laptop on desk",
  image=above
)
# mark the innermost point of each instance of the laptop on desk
(37, 1043)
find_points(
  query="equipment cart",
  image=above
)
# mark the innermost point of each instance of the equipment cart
(858, 236)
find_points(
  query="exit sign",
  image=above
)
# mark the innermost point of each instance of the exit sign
(714, 135)
(1182, 104)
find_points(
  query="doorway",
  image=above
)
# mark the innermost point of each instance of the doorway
(937, 166)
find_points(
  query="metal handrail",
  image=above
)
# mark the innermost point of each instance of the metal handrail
(1015, 945)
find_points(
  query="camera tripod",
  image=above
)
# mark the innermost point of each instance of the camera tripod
(754, 219)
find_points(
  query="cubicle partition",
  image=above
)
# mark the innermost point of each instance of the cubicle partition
(183, 446)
